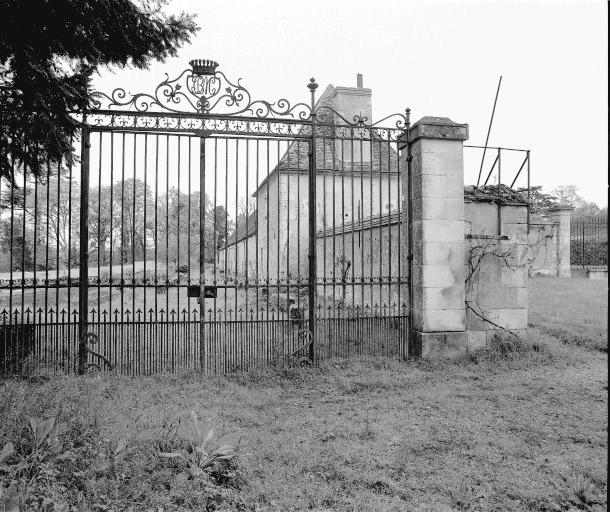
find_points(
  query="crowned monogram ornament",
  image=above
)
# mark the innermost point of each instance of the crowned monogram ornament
(200, 89)
(203, 81)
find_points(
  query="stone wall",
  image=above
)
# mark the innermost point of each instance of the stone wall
(548, 240)
(500, 254)
(496, 269)
(543, 247)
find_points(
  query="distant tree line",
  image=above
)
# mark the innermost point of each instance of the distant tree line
(127, 223)
(565, 195)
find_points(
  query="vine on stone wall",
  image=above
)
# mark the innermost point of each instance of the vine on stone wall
(515, 254)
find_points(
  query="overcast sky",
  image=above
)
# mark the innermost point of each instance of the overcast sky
(438, 58)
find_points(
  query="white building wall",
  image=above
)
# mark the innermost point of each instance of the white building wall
(283, 219)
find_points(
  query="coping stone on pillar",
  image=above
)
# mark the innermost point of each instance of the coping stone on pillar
(560, 209)
(430, 127)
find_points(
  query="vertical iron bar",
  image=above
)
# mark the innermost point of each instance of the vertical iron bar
(99, 227)
(360, 210)
(226, 240)
(583, 245)
(499, 193)
(123, 255)
(177, 288)
(111, 214)
(286, 335)
(11, 249)
(256, 254)
(298, 167)
(353, 232)
(324, 228)
(188, 249)
(57, 237)
(399, 211)
(247, 242)
(234, 340)
(144, 257)
(344, 269)
(35, 292)
(156, 252)
(83, 297)
(529, 199)
(332, 323)
(278, 280)
(167, 287)
(216, 251)
(267, 240)
(134, 361)
(24, 244)
(409, 230)
(312, 86)
(46, 264)
(489, 131)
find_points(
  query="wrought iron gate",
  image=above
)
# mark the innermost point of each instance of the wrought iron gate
(205, 230)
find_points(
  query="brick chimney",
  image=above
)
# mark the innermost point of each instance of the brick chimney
(352, 101)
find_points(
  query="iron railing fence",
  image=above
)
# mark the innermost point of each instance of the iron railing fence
(189, 239)
(147, 347)
(589, 242)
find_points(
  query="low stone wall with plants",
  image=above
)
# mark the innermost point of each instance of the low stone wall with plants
(499, 255)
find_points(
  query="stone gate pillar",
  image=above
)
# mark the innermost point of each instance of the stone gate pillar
(437, 230)
(560, 215)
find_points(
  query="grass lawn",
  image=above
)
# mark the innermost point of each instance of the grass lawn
(523, 431)
(572, 310)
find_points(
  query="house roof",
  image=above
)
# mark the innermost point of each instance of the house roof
(331, 153)
(243, 229)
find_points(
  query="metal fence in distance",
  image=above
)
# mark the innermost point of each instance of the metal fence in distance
(589, 242)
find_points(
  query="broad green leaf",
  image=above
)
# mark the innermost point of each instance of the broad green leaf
(7, 451)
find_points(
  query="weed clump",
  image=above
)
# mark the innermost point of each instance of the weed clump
(62, 462)
(505, 346)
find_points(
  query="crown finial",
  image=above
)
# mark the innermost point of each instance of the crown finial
(203, 66)
(312, 85)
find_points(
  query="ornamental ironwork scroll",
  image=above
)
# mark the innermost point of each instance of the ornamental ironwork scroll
(200, 89)
(203, 89)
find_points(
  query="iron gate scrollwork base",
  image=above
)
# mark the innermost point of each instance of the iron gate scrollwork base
(93, 339)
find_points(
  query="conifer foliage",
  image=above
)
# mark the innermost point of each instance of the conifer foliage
(48, 53)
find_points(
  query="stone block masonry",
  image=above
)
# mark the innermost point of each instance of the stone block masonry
(436, 194)
(496, 267)
(469, 256)
(561, 216)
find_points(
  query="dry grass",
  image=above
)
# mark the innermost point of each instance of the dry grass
(378, 434)
(513, 429)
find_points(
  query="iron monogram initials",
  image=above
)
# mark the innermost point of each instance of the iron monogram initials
(201, 85)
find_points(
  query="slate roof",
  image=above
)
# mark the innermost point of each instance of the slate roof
(332, 155)
(243, 229)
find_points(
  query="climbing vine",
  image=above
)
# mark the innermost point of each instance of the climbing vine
(516, 254)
